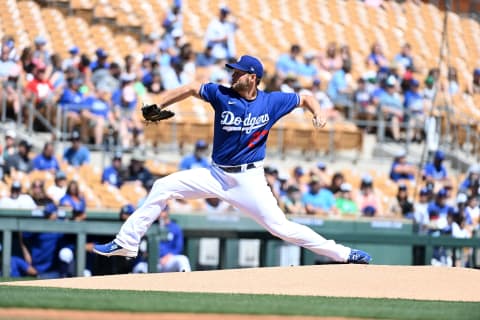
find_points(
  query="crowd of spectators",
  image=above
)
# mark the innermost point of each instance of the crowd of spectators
(98, 96)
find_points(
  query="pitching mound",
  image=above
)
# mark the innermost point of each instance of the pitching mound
(423, 283)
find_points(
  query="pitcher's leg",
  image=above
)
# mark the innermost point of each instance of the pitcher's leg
(188, 184)
(255, 198)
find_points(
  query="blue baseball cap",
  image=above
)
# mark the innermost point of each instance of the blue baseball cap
(101, 53)
(74, 50)
(414, 83)
(201, 144)
(248, 64)
(424, 191)
(439, 155)
(476, 72)
(127, 209)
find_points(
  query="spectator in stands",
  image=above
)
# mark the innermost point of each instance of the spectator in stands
(435, 170)
(28, 65)
(126, 211)
(10, 147)
(108, 78)
(20, 161)
(438, 210)
(368, 200)
(337, 180)
(344, 202)
(57, 190)
(17, 199)
(9, 42)
(198, 159)
(6, 64)
(388, 99)
(415, 111)
(376, 59)
(72, 102)
(298, 179)
(174, 17)
(430, 89)
(474, 87)
(365, 110)
(46, 160)
(113, 175)
(155, 84)
(318, 200)
(48, 255)
(174, 75)
(97, 115)
(38, 193)
(292, 201)
(420, 215)
(221, 33)
(41, 91)
(77, 154)
(41, 53)
(10, 92)
(345, 55)
(471, 184)
(216, 205)
(325, 103)
(401, 169)
(289, 63)
(339, 89)
(452, 78)
(137, 171)
(125, 101)
(405, 58)
(101, 62)
(331, 61)
(171, 258)
(57, 75)
(75, 200)
(73, 60)
(472, 212)
(187, 57)
(205, 58)
(402, 205)
(308, 68)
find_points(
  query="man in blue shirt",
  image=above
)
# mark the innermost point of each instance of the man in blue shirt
(197, 159)
(170, 250)
(46, 160)
(435, 170)
(402, 169)
(113, 174)
(77, 154)
(318, 200)
(243, 117)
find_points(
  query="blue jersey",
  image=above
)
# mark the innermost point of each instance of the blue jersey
(112, 176)
(40, 162)
(77, 157)
(174, 242)
(241, 126)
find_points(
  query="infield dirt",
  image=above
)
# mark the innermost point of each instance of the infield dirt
(365, 281)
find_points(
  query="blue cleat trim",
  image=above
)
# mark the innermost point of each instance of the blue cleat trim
(359, 257)
(113, 249)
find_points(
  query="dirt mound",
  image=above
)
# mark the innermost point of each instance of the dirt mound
(372, 281)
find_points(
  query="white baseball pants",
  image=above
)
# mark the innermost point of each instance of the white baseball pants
(248, 191)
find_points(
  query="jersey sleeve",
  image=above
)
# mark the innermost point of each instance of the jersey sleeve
(283, 103)
(208, 92)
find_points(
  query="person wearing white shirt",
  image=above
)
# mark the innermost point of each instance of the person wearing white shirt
(57, 190)
(17, 199)
(221, 35)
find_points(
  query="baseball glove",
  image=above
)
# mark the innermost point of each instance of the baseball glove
(152, 113)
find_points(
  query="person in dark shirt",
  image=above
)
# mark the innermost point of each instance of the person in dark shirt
(137, 171)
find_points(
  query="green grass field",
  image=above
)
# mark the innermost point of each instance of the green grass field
(147, 301)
